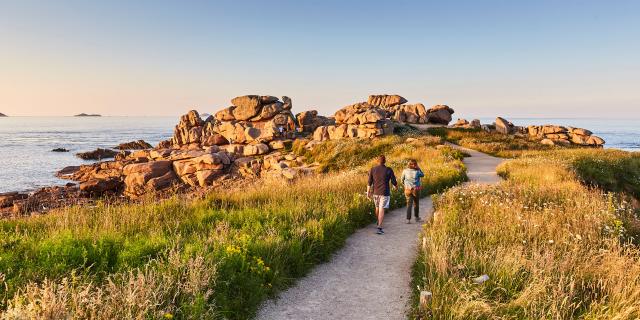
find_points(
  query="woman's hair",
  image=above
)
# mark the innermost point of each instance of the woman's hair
(412, 164)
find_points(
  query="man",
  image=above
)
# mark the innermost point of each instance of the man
(378, 187)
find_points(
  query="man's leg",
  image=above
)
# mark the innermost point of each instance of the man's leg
(380, 216)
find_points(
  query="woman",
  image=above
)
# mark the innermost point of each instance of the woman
(411, 181)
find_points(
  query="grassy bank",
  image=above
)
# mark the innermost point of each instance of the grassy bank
(216, 257)
(553, 247)
(610, 170)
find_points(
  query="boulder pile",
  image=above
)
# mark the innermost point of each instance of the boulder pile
(309, 121)
(97, 154)
(134, 145)
(553, 134)
(398, 110)
(249, 126)
(202, 153)
(549, 134)
(464, 124)
(360, 120)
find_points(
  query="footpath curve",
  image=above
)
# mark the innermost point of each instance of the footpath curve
(369, 278)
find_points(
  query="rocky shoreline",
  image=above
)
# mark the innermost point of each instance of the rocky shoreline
(249, 140)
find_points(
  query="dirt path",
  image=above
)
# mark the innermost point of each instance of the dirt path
(370, 277)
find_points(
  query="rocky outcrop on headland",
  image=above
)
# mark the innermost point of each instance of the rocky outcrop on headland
(546, 134)
(134, 145)
(553, 134)
(97, 154)
(464, 124)
(360, 120)
(250, 139)
(309, 121)
(399, 111)
(251, 120)
(2, 115)
(233, 144)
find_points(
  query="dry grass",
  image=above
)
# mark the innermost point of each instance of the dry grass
(552, 248)
(220, 256)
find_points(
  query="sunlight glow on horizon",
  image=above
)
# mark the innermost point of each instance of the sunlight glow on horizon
(543, 59)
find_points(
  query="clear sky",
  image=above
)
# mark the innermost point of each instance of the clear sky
(483, 58)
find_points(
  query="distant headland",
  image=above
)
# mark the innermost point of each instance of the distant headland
(2, 115)
(87, 115)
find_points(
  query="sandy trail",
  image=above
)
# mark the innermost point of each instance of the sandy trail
(369, 278)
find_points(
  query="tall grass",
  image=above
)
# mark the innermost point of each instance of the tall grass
(220, 256)
(496, 144)
(552, 247)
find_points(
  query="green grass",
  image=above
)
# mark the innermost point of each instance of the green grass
(552, 246)
(220, 256)
(496, 144)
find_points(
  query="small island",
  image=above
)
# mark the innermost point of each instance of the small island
(2, 114)
(87, 115)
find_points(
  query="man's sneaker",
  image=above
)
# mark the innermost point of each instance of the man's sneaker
(418, 219)
(408, 221)
(380, 231)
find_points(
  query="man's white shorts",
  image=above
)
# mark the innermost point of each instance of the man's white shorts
(381, 201)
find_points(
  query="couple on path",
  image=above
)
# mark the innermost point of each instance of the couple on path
(378, 188)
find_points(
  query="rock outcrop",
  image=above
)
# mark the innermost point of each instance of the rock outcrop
(439, 114)
(503, 126)
(251, 119)
(360, 120)
(399, 111)
(565, 135)
(548, 134)
(309, 121)
(134, 145)
(385, 100)
(464, 124)
(97, 154)
(2, 115)
(408, 113)
(59, 150)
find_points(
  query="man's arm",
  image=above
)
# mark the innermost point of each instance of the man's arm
(420, 173)
(369, 184)
(393, 179)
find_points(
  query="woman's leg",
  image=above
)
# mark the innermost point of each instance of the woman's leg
(416, 206)
(409, 205)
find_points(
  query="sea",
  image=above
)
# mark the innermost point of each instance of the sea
(27, 163)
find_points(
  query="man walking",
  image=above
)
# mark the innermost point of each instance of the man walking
(378, 187)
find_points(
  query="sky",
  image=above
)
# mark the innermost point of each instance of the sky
(162, 58)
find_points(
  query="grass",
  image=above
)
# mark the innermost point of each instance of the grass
(217, 257)
(553, 247)
(336, 155)
(496, 144)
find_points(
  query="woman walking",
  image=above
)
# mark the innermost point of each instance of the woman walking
(411, 181)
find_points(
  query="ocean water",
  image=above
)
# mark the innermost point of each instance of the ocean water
(618, 133)
(26, 160)
(27, 163)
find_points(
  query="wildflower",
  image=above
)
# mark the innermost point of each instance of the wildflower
(550, 241)
(168, 315)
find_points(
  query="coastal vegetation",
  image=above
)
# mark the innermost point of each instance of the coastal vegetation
(557, 239)
(493, 143)
(217, 256)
